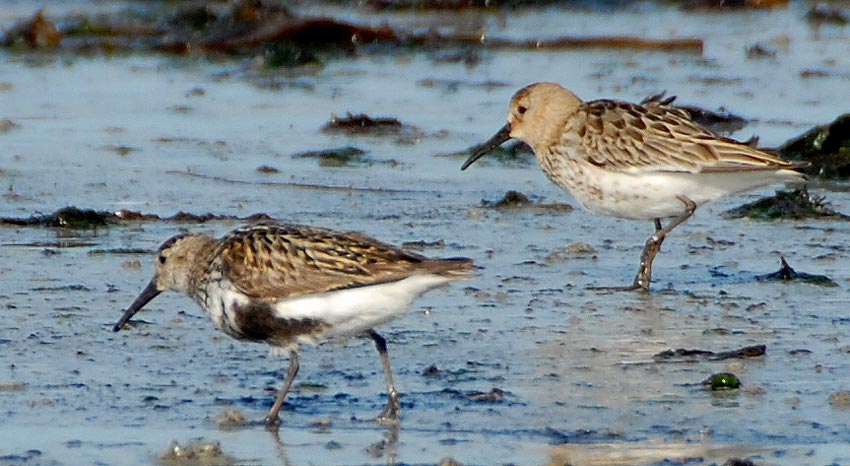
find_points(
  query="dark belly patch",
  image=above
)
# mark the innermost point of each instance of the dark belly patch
(257, 322)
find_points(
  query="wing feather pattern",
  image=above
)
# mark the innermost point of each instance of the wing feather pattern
(654, 136)
(270, 261)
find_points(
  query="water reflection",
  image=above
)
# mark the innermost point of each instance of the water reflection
(386, 447)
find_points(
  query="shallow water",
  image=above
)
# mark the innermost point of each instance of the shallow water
(576, 367)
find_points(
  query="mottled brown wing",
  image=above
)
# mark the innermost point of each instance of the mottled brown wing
(272, 261)
(658, 137)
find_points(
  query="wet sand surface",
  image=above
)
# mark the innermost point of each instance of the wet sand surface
(521, 365)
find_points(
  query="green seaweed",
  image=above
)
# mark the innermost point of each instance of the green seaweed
(792, 205)
(78, 219)
(288, 54)
(722, 381)
(826, 148)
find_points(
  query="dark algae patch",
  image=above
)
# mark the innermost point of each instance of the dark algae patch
(76, 218)
(267, 170)
(7, 125)
(693, 355)
(338, 157)
(721, 121)
(511, 199)
(66, 217)
(514, 153)
(822, 14)
(72, 217)
(362, 124)
(826, 147)
(793, 205)
(787, 274)
(279, 35)
(495, 395)
(517, 200)
(738, 462)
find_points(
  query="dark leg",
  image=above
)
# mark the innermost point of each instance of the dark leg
(272, 420)
(653, 245)
(390, 413)
(650, 250)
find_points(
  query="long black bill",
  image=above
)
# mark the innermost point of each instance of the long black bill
(150, 292)
(501, 136)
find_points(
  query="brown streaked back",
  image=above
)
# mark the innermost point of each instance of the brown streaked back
(656, 136)
(270, 261)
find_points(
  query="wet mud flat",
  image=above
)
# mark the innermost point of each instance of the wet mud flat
(521, 365)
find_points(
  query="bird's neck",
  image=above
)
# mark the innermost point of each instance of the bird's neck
(203, 249)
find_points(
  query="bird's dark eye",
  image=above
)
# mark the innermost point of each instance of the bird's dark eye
(161, 259)
(522, 109)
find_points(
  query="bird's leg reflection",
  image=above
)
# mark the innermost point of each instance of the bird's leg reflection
(391, 447)
(279, 448)
(386, 447)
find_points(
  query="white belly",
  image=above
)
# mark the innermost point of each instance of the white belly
(345, 312)
(355, 310)
(647, 196)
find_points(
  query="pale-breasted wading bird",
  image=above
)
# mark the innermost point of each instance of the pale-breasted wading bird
(288, 284)
(646, 161)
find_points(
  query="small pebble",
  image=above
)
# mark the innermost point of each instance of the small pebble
(840, 399)
(333, 445)
(132, 264)
(448, 461)
(230, 419)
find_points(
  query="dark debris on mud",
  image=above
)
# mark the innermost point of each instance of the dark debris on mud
(340, 157)
(7, 125)
(27, 458)
(738, 462)
(81, 219)
(720, 121)
(823, 14)
(495, 395)
(511, 199)
(514, 153)
(825, 147)
(517, 200)
(788, 274)
(693, 355)
(731, 4)
(274, 33)
(791, 205)
(361, 123)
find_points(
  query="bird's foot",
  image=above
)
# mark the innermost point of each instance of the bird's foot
(272, 423)
(389, 415)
